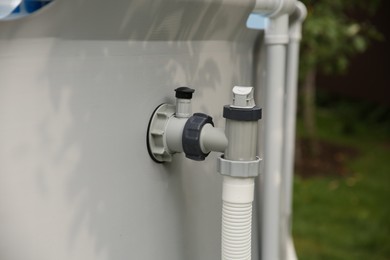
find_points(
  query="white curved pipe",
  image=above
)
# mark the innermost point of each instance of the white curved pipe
(7, 7)
(237, 197)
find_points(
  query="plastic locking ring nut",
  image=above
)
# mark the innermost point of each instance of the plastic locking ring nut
(242, 114)
(191, 136)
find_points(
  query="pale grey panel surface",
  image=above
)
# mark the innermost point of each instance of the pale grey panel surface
(75, 174)
(150, 20)
(76, 181)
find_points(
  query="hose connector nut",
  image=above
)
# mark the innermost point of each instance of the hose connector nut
(242, 114)
(191, 136)
(239, 169)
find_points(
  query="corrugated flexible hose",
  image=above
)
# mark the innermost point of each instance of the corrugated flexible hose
(237, 218)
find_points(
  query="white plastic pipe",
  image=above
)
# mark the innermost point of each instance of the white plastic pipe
(276, 39)
(183, 108)
(295, 28)
(212, 139)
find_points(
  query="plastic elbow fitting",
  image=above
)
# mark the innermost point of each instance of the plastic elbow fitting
(172, 129)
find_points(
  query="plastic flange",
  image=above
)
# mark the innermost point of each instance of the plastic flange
(155, 134)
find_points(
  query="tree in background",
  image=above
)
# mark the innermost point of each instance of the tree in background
(331, 37)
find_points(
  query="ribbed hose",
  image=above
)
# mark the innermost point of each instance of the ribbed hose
(236, 231)
(237, 199)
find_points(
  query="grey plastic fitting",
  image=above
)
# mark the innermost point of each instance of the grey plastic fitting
(239, 159)
(172, 129)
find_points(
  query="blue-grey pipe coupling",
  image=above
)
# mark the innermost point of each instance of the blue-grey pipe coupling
(191, 136)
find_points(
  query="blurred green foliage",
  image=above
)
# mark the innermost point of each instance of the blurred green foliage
(347, 217)
(334, 31)
(336, 216)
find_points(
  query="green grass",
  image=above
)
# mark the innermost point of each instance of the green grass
(347, 217)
